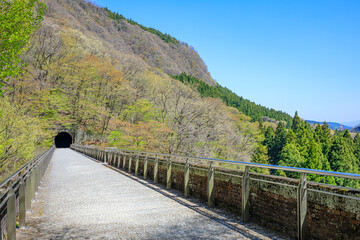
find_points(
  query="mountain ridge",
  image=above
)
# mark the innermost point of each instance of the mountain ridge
(332, 125)
(124, 36)
(352, 123)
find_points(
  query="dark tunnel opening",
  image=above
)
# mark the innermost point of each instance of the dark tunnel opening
(63, 140)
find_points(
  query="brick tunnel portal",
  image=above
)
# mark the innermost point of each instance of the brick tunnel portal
(63, 140)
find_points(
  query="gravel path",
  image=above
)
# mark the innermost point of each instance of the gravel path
(83, 199)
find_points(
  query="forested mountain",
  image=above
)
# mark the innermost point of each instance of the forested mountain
(111, 35)
(108, 81)
(115, 82)
(356, 129)
(332, 125)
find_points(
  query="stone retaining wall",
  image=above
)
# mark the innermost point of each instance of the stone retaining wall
(271, 205)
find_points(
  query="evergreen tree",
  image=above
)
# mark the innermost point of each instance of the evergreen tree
(347, 135)
(269, 137)
(290, 156)
(357, 149)
(325, 139)
(279, 143)
(296, 123)
(318, 132)
(291, 137)
(317, 160)
(342, 159)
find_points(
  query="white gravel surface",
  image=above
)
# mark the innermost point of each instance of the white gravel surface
(83, 199)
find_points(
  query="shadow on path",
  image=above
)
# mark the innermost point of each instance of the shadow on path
(235, 224)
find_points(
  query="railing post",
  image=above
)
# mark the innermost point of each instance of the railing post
(105, 157)
(130, 160)
(156, 169)
(137, 165)
(11, 215)
(245, 194)
(146, 167)
(211, 185)
(41, 170)
(22, 207)
(168, 173)
(119, 160)
(302, 207)
(186, 178)
(33, 177)
(38, 177)
(124, 161)
(113, 159)
(28, 193)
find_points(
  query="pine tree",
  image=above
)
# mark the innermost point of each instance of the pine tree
(296, 123)
(325, 139)
(342, 159)
(290, 156)
(347, 135)
(269, 137)
(279, 143)
(357, 149)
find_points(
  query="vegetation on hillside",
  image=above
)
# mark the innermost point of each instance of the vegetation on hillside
(20, 133)
(255, 111)
(73, 80)
(119, 39)
(18, 20)
(166, 37)
(112, 102)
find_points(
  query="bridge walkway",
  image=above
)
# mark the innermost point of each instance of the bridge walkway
(80, 198)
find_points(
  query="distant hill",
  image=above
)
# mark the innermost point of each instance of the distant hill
(332, 125)
(352, 123)
(356, 129)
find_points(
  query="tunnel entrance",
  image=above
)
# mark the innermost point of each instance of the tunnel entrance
(63, 140)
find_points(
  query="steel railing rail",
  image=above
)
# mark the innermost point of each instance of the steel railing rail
(18, 190)
(258, 165)
(113, 155)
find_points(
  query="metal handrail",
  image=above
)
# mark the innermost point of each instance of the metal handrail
(21, 186)
(5, 181)
(110, 156)
(246, 164)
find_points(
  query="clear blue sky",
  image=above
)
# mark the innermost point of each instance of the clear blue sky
(287, 55)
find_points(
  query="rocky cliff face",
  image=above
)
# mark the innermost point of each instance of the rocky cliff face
(124, 41)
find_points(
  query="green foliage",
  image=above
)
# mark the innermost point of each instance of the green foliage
(255, 111)
(141, 111)
(306, 147)
(20, 136)
(278, 144)
(260, 156)
(296, 123)
(18, 21)
(291, 157)
(342, 159)
(165, 37)
(357, 148)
